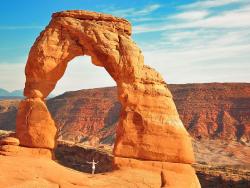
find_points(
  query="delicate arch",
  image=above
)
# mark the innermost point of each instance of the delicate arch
(149, 127)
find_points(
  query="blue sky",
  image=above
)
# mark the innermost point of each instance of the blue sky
(186, 41)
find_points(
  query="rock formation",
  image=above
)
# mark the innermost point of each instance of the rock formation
(149, 127)
(35, 127)
(20, 171)
(9, 146)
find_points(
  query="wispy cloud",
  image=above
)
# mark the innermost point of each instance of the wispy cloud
(237, 18)
(132, 12)
(203, 41)
(81, 68)
(210, 4)
(200, 42)
(227, 64)
(148, 9)
(12, 76)
(191, 15)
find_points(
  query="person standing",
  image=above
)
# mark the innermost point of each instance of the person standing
(93, 163)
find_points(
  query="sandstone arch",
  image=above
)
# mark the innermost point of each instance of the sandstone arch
(149, 127)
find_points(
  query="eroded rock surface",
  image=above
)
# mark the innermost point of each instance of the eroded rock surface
(30, 172)
(148, 115)
(9, 146)
(9, 141)
(35, 126)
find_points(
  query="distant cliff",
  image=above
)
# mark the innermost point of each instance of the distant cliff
(89, 114)
(8, 110)
(4, 94)
(16, 94)
(214, 110)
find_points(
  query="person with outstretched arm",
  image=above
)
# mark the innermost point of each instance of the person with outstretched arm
(93, 163)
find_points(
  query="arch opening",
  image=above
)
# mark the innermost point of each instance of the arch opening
(84, 114)
(80, 74)
(85, 117)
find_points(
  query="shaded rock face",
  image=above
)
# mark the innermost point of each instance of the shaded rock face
(8, 110)
(218, 176)
(148, 115)
(76, 157)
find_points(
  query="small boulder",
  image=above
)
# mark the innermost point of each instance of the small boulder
(9, 141)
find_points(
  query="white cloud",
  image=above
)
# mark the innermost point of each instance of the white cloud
(210, 4)
(148, 9)
(12, 76)
(193, 46)
(224, 64)
(82, 74)
(180, 36)
(231, 38)
(226, 20)
(179, 40)
(133, 12)
(234, 19)
(191, 55)
(191, 15)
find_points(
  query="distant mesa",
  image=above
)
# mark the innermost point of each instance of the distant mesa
(208, 110)
(16, 94)
(4, 94)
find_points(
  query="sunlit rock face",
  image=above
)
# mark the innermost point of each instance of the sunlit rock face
(149, 126)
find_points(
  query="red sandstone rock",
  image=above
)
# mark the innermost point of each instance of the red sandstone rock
(174, 175)
(9, 141)
(35, 127)
(18, 151)
(30, 172)
(149, 117)
(215, 110)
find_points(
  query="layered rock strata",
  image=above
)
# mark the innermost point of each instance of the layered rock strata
(9, 146)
